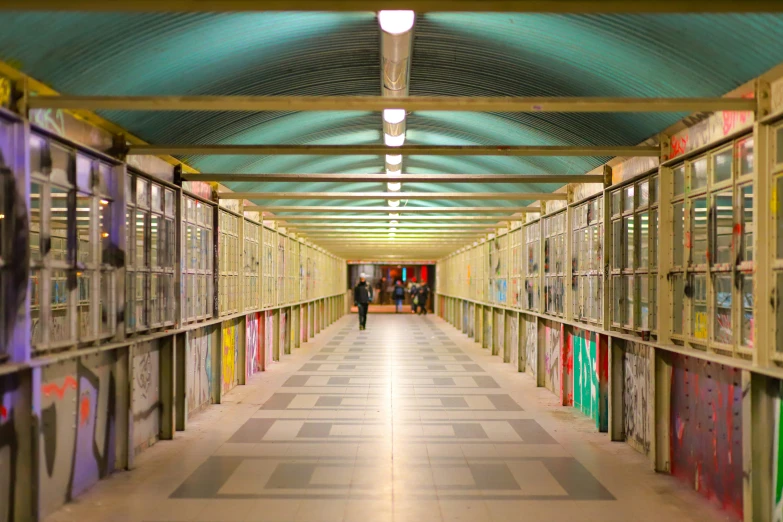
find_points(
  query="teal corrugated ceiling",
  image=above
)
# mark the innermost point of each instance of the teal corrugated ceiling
(338, 54)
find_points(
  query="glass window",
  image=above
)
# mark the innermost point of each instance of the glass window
(699, 306)
(699, 174)
(644, 193)
(617, 203)
(678, 173)
(628, 193)
(723, 210)
(653, 256)
(678, 294)
(36, 204)
(747, 309)
(654, 189)
(722, 329)
(618, 293)
(722, 165)
(628, 238)
(678, 233)
(630, 289)
(60, 326)
(746, 193)
(644, 239)
(617, 243)
(699, 231)
(745, 153)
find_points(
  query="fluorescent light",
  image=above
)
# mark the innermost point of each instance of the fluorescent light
(394, 141)
(392, 234)
(394, 159)
(393, 229)
(393, 202)
(394, 214)
(394, 116)
(393, 172)
(393, 222)
(394, 187)
(396, 22)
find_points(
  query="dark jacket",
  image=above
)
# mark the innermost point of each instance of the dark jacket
(399, 292)
(424, 294)
(362, 294)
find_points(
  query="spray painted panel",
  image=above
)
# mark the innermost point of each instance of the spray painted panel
(512, 322)
(269, 338)
(591, 375)
(77, 438)
(777, 461)
(531, 345)
(146, 395)
(706, 430)
(487, 339)
(282, 333)
(253, 352)
(637, 396)
(472, 320)
(231, 343)
(9, 444)
(465, 317)
(198, 381)
(553, 350)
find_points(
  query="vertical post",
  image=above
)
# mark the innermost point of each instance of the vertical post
(521, 343)
(168, 362)
(276, 334)
(661, 381)
(540, 349)
(760, 398)
(180, 390)
(606, 298)
(616, 390)
(217, 364)
(568, 261)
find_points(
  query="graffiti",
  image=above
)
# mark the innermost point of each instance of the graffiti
(513, 341)
(487, 340)
(199, 369)
(230, 348)
(253, 361)
(531, 345)
(472, 320)
(706, 430)
(269, 339)
(51, 119)
(146, 395)
(591, 376)
(636, 396)
(282, 337)
(500, 333)
(8, 446)
(77, 435)
(718, 125)
(777, 460)
(552, 352)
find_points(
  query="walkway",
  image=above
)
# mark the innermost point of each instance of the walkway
(406, 421)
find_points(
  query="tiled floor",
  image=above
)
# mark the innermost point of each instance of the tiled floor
(406, 421)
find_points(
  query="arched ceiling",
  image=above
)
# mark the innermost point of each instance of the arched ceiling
(454, 54)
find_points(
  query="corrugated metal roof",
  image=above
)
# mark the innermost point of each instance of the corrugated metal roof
(338, 54)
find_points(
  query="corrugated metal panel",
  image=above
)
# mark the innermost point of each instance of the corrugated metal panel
(333, 54)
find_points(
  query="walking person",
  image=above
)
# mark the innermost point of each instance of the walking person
(423, 295)
(399, 294)
(362, 297)
(414, 291)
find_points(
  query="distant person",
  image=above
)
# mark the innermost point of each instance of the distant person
(423, 295)
(362, 297)
(399, 294)
(379, 290)
(414, 292)
(389, 291)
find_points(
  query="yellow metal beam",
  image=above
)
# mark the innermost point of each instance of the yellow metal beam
(499, 6)
(379, 103)
(510, 196)
(406, 150)
(355, 220)
(408, 178)
(401, 210)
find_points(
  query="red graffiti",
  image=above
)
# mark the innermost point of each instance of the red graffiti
(84, 409)
(679, 145)
(3, 412)
(48, 389)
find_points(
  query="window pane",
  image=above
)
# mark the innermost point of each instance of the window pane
(142, 193)
(169, 202)
(83, 173)
(699, 306)
(618, 294)
(105, 305)
(35, 306)
(157, 197)
(59, 231)
(644, 302)
(745, 152)
(83, 305)
(130, 301)
(699, 174)
(699, 231)
(141, 311)
(36, 203)
(723, 209)
(60, 327)
(653, 256)
(644, 193)
(722, 326)
(141, 249)
(154, 303)
(654, 189)
(628, 238)
(679, 180)
(628, 193)
(747, 309)
(678, 294)
(653, 321)
(644, 231)
(779, 153)
(83, 218)
(617, 204)
(746, 194)
(630, 301)
(678, 233)
(104, 227)
(61, 167)
(721, 165)
(617, 243)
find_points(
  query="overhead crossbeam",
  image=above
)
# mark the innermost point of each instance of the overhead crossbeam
(510, 196)
(401, 210)
(405, 150)
(356, 220)
(408, 178)
(420, 6)
(379, 103)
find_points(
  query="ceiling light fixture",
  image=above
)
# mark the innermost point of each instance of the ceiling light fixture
(396, 22)
(394, 141)
(394, 187)
(394, 159)
(394, 116)
(393, 202)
